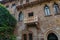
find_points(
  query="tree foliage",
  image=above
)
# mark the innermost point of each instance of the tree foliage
(7, 22)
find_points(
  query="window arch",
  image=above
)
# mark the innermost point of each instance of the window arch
(56, 8)
(47, 10)
(20, 16)
(52, 36)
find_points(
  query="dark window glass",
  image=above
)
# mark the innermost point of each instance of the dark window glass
(30, 14)
(30, 36)
(47, 10)
(25, 37)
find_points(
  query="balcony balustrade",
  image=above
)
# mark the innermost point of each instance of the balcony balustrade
(33, 19)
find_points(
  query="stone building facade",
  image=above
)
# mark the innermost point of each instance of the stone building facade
(36, 19)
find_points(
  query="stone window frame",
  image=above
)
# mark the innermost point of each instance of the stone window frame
(50, 31)
(57, 11)
(19, 19)
(27, 33)
(47, 14)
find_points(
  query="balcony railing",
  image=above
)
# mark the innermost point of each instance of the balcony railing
(31, 19)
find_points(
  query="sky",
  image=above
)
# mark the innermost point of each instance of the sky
(0, 0)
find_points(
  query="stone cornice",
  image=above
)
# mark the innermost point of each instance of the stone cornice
(6, 1)
(31, 4)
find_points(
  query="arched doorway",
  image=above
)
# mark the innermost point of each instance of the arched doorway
(52, 36)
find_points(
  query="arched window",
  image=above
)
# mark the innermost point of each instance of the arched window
(52, 36)
(20, 16)
(56, 8)
(47, 10)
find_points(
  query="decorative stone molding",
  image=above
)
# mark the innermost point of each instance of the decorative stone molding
(50, 31)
